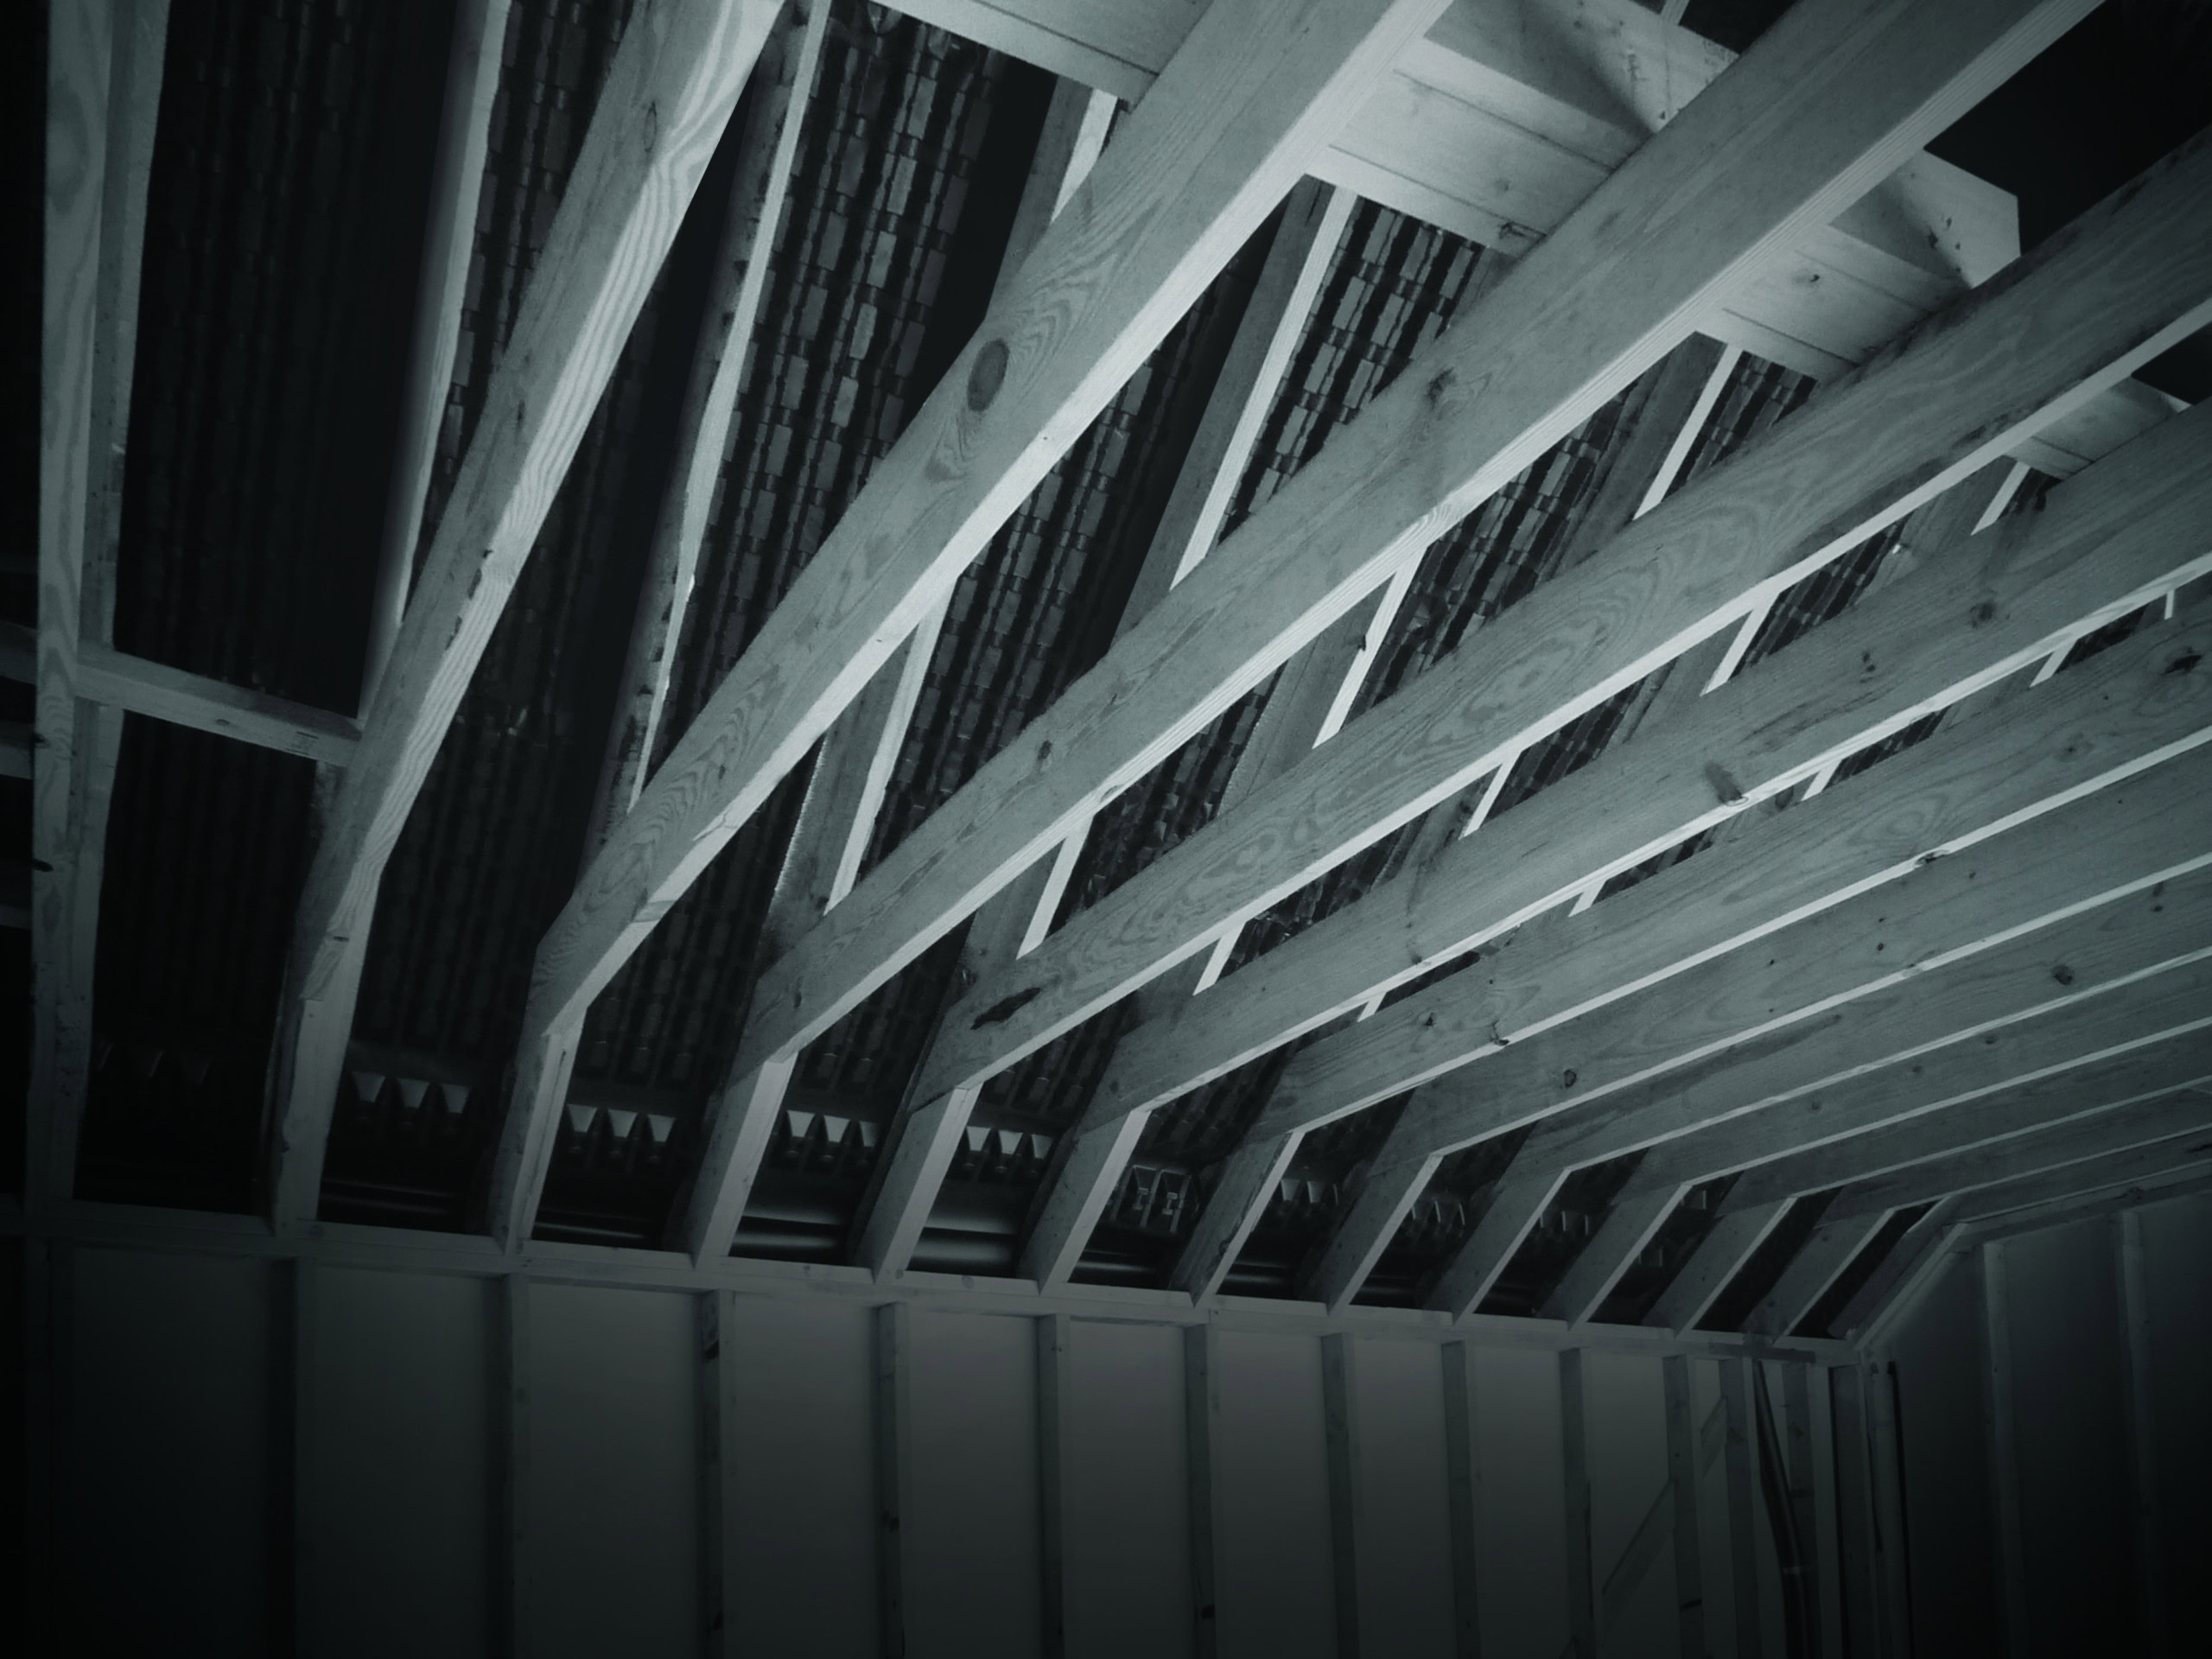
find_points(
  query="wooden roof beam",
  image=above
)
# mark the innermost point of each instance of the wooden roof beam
(669, 92)
(783, 77)
(1607, 1083)
(1938, 411)
(1371, 500)
(1227, 132)
(104, 88)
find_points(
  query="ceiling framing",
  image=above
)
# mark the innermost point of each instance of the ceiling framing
(1378, 655)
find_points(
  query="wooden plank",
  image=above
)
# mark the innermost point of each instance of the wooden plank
(669, 92)
(1202, 1418)
(104, 83)
(1736, 1384)
(720, 1490)
(2139, 1416)
(2137, 1170)
(1055, 1434)
(1683, 1471)
(1575, 1440)
(1610, 1084)
(1997, 1410)
(782, 77)
(1857, 1556)
(1921, 1243)
(140, 686)
(2131, 1068)
(1248, 1181)
(2094, 1197)
(510, 1552)
(1888, 1459)
(1463, 1485)
(894, 1452)
(1340, 1393)
(1630, 1226)
(1719, 1256)
(1224, 135)
(480, 33)
(2156, 1129)
(1498, 390)
(1782, 721)
(1820, 1261)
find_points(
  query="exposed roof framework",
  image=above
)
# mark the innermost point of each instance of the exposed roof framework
(1468, 657)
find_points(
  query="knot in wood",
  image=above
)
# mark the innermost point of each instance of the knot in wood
(988, 374)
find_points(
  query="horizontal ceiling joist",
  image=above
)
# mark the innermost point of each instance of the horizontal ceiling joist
(674, 79)
(1830, 102)
(1833, 899)
(1230, 126)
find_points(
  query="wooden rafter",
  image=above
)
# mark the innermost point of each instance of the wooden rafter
(1366, 506)
(1225, 134)
(103, 87)
(669, 93)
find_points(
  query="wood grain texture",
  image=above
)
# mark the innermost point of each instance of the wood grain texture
(480, 32)
(104, 79)
(1925, 417)
(1814, 1001)
(669, 92)
(141, 686)
(783, 75)
(1240, 1195)
(2161, 1167)
(1953, 792)
(1194, 171)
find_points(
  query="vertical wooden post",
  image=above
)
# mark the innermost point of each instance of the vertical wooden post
(1815, 1535)
(293, 1421)
(1582, 1597)
(2152, 1633)
(1339, 1380)
(1682, 1468)
(1463, 1485)
(894, 1455)
(1887, 1455)
(717, 1481)
(1052, 1368)
(1858, 1614)
(1201, 1413)
(2002, 1446)
(510, 1433)
(1742, 1498)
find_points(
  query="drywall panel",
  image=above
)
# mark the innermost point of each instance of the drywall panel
(1405, 1507)
(611, 1487)
(800, 1436)
(1127, 1548)
(1271, 1499)
(396, 1474)
(2177, 1281)
(1948, 1534)
(166, 1472)
(2072, 1452)
(1520, 1503)
(971, 1513)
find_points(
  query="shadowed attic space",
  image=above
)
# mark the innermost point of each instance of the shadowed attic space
(412, 958)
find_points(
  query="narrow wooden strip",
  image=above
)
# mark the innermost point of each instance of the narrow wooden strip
(480, 32)
(1856, 1534)
(1637, 1558)
(1055, 1436)
(1736, 1381)
(1659, 589)
(511, 1553)
(1382, 1197)
(1339, 1398)
(1225, 134)
(1888, 1459)
(1627, 1230)
(1574, 1436)
(894, 1454)
(669, 92)
(1248, 1181)
(782, 77)
(2134, 1171)
(1201, 1420)
(2003, 1453)
(1718, 1257)
(719, 1491)
(1516, 1204)
(140, 686)
(1683, 1481)
(1920, 1243)
(1463, 1485)
(1820, 1261)
(1081, 1187)
(2139, 1416)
